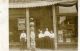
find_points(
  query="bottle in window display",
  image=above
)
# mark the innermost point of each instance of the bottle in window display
(68, 39)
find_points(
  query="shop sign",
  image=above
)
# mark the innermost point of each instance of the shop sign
(21, 20)
(21, 24)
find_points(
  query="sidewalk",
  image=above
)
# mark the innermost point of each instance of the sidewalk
(72, 49)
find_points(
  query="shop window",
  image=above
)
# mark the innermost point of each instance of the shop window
(66, 29)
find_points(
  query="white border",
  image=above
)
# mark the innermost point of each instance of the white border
(4, 31)
(78, 25)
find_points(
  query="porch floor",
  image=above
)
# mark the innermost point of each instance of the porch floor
(71, 49)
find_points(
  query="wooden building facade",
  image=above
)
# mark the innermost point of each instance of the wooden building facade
(63, 21)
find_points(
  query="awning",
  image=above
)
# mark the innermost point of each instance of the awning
(67, 4)
(40, 3)
(32, 4)
(71, 9)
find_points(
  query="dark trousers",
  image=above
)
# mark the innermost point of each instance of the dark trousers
(23, 44)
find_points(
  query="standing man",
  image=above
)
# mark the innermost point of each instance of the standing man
(23, 39)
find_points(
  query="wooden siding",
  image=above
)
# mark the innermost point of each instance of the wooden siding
(13, 24)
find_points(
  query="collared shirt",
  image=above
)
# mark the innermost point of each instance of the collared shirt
(41, 35)
(23, 35)
(52, 35)
(47, 33)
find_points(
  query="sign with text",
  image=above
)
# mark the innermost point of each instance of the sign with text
(21, 24)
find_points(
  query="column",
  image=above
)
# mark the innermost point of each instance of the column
(27, 28)
(55, 24)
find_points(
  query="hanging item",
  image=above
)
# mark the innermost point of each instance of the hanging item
(62, 19)
(67, 4)
(32, 33)
(32, 39)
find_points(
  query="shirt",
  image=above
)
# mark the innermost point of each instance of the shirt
(23, 35)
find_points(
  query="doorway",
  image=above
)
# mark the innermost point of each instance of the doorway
(43, 19)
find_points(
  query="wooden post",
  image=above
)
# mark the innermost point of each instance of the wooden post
(55, 24)
(27, 28)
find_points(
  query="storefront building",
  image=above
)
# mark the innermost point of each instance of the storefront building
(62, 21)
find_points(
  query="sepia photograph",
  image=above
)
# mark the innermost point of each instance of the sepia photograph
(43, 25)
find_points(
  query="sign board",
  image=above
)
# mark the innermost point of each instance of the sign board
(21, 24)
(21, 20)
